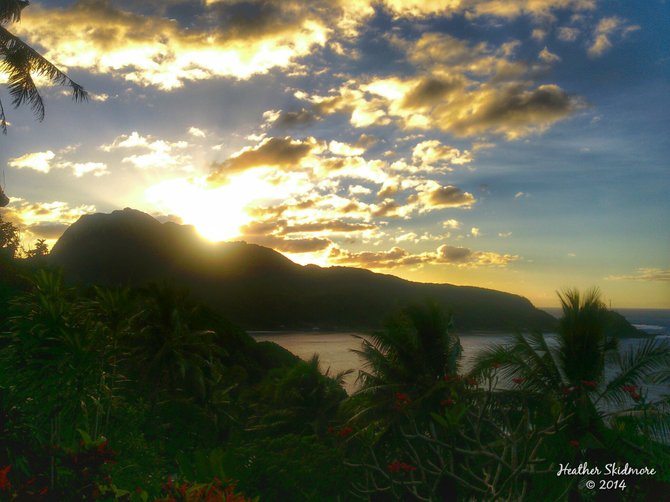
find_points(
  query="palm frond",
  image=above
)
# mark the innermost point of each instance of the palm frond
(3, 119)
(21, 61)
(10, 10)
(636, 366)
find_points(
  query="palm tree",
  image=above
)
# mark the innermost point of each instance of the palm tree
(21, 62)
(570, 369)
(406, 360)
(171, 350)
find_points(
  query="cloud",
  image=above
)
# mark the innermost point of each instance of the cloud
(644, 274)
(452, 224)
(296, 118)
(79, 169)
(495, 8)
(548, 57)
(461, 88)
(38, 161)
(44, 162)
(196, 132)
(345, 149)
(398, 257)
(433, 196)
(607, 29)
(568, 33)
(433, 152)
(43, 220)
(232, 39)
(282, 153)
(159, 153)
(306, 245)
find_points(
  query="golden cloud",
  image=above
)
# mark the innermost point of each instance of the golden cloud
(282, 153)
(463, 89)
(155, 51)
(43, 220)
(399, 257)
(607, 29)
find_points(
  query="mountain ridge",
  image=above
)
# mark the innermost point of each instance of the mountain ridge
(260, 288)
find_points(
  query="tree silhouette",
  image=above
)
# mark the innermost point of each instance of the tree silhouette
(570, 371)
(21, 62)
(413, 353)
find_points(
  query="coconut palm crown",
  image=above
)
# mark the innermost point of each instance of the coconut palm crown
(21, 62)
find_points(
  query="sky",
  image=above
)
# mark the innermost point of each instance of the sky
(519, 145)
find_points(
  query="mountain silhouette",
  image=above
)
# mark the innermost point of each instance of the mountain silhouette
(259, 288)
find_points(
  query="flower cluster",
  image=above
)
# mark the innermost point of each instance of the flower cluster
(402, 400)
(397, 466)
(215, 491)
(632, 391)
(5, 485)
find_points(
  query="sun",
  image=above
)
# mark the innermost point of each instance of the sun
(217, 212)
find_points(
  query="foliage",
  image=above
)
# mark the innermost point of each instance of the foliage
(10, 240)
(21, 62)
(107, 393)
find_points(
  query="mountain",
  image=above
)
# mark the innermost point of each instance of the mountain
(259, 288)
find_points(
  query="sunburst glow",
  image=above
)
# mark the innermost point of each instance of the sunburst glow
(217, 213)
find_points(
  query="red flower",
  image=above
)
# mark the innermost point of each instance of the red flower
(44, 490)
(471, 381)
(635, 395)
(567, 391)
(182, 489)
(345, 431)
(589, 383)
(518, 380)
(496, 365)
(447, 402)
(401, 396)
(574, 443)
(4, 481)
(400, 466)
(446, 378)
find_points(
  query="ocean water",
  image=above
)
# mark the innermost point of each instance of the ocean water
(336, 353)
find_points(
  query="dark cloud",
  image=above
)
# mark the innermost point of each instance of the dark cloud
(273, 152)
(328, 226)
(449, 196)
(429, 91)
(388, 208)
(308, 245)
(299, 118)
(454, 254)
(516, 108)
